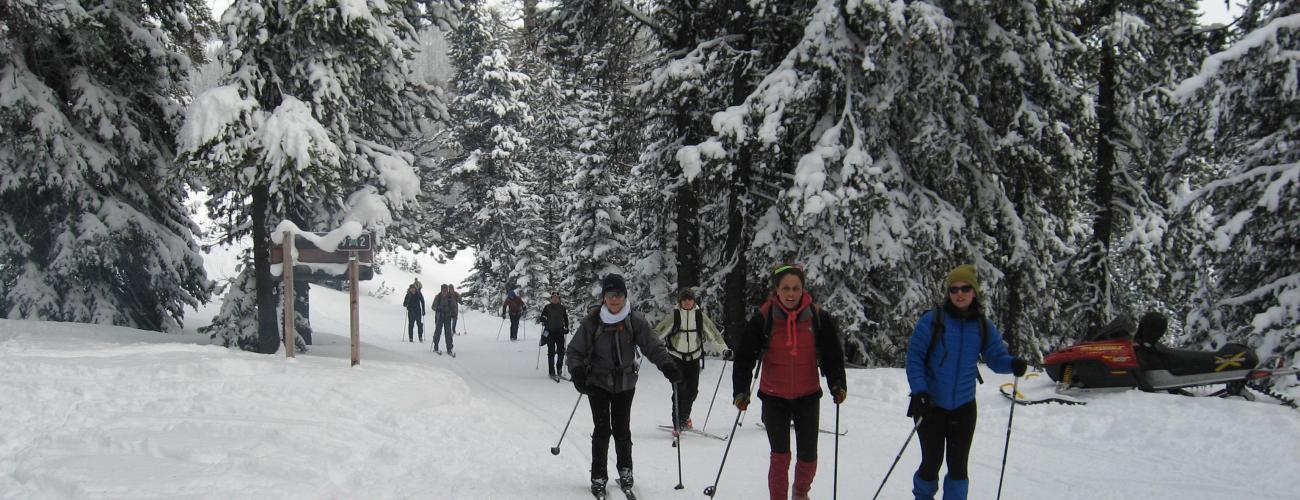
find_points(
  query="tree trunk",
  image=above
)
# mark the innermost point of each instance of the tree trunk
(688, 237)
(1095, 275)
(735, 288)
(268, 331)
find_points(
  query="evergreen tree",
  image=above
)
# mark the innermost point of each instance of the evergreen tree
(92, 227)
(303, 127)
(1137, 50)
(1247, 211)
(490, 115)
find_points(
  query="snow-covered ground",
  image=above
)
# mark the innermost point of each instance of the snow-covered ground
(103, 412)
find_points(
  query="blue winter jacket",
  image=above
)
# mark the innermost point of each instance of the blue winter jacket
(949, 376)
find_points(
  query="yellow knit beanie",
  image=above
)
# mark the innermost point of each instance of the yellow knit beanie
(964, 272)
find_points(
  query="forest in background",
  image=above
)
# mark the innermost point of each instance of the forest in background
(1091, 157)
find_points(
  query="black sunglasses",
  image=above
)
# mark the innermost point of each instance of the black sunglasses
(964, 289)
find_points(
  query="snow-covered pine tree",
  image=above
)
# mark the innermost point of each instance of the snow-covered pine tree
(1136, 50)
(491, 115)
(593, 45)
(303, 125)
(673, 199)
(92, 226)
(1246, 274)
(907, 157)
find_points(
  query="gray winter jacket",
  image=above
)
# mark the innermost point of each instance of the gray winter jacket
(609, 351)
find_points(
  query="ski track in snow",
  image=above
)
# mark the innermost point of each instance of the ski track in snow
(104, 412)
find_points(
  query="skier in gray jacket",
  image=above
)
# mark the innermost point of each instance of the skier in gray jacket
(602, 362)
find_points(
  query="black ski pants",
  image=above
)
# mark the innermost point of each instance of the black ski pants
(611, 414)
(414, 319)
(555, 353)
(446, 329)
(685, 391)
(804, 412)
(514, 326)
(953, 429)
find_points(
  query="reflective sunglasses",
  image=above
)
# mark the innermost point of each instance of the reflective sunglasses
(963, 289)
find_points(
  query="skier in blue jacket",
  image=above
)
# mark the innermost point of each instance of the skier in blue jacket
(942, 371)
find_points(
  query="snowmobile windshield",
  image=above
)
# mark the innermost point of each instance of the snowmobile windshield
(1120, 328)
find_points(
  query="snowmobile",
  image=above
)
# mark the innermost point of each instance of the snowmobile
(1120, 356)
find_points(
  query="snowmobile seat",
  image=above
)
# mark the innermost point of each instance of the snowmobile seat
(1231, 357)
(1119, 328)
(1151, 329)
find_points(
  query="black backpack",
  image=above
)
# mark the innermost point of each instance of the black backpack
(936, 332)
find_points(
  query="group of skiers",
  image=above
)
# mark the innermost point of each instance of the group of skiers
(446, 311)
(785, 342)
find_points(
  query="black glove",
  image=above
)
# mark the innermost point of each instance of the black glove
(671, 372)
(727, 354)
(1018, 367)
(579, 376)
(920, 406)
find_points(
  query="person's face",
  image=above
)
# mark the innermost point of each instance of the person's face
(789, 291)
(615, 301)
(961, 294)
(555, 299)
(688, 303)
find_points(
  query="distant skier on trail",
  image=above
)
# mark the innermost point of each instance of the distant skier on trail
(602, 362)
(414, 304)
(514, 305)
(790, 336)
(443, 304)
(942, 373)
(555, 325)
(684, 332)
(453, 306)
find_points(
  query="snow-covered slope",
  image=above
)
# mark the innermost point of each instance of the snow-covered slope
(102, 412)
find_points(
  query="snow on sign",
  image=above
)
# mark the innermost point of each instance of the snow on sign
(317, 265)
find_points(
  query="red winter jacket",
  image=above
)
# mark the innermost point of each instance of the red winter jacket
(790, 362)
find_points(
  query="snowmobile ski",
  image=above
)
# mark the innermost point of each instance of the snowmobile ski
(669, 428)
(1020, 398)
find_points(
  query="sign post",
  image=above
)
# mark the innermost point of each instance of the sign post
(354, 251)
(352, 246)
(287, 273)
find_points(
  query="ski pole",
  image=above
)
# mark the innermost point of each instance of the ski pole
(835, 474)
(677, 439)
(539, 357)
(499, 327)
(715, 395)
(1007, 445)
(556, 449)
(915, 426)
(711, 490)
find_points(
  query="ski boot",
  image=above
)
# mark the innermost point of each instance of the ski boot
(625, 482)
(598, 487)
(625, 477)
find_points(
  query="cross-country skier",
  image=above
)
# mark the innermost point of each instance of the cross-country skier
(941, 372)
(684, 331)
(792, 335)
(555, 325)
(414, 304)
(603, 365)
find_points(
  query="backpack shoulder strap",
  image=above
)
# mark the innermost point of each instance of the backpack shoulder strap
(936, 331)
